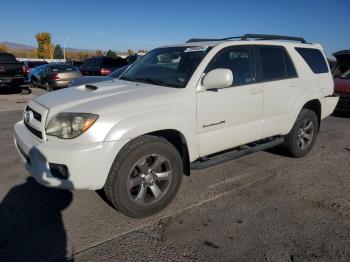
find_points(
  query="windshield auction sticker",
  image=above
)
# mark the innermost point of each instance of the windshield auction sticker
(196, 48)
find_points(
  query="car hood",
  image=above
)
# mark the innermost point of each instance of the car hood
(342, 85)
(89, 80)
(108, 95)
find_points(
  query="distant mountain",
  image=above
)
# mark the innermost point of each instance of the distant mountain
(22, 47)
(16, 46)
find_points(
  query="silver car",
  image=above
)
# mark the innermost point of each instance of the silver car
(56, 75)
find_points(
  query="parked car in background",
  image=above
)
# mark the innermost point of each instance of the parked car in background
(343, 63)
(33, 76)
(342, 88)
(30, 65)
(56, 75)
(77, 64)
(83, 80)
(11, 70)
(132, 58)
(101, 66)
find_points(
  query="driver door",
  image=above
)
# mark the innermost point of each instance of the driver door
(232, 116)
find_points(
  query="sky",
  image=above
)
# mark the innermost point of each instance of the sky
(119, 25)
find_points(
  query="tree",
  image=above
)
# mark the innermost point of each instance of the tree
(142, 51)
(99, 52)
(45, 49)
(110, 53)
(3, 48)
(130, 52)
(57, 52)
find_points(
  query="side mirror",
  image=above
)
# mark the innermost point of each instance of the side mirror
(217, 78)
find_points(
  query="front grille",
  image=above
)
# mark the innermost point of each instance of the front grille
(36, 115)
(37, 133)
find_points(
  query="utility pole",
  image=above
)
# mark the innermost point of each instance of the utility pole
(65, 39)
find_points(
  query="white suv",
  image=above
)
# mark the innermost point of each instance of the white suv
(180, 107)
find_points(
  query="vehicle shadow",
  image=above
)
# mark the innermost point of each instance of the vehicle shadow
(11, 89)
(31, 226)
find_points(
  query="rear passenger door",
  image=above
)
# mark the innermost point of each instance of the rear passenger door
(280, 84)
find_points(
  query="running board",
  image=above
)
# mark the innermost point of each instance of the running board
(235, 153)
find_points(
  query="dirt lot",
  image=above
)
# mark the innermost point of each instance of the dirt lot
(264, 207)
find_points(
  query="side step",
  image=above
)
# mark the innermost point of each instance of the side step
(235, 153)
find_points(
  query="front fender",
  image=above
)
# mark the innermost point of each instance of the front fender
(148, 122)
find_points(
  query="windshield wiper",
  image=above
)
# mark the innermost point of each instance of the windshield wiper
(150, 81)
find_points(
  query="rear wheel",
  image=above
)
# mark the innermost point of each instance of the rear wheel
(145, 177)
(302, 137)
(48, 87)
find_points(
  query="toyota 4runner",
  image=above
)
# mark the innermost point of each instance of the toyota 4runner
(180, 107)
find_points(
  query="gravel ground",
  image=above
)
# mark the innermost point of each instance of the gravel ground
(263, 207)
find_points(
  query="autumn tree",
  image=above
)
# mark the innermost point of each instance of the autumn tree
(142, 51)
(130, 52)
(99, 52)
(45, 49)
(57, 52)
(3, 48)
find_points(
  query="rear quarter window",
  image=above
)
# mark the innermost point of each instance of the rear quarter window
(275, 63)
(314, 58)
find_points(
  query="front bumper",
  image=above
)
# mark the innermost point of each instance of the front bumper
(88, 164)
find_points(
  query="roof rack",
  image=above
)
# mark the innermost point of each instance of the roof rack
(251, 36)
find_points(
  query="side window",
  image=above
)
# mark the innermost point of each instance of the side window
(275, 63)
(239, 61)
(314, 58)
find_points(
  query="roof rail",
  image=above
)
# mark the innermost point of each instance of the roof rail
(273, 37)
(250, 36)
(211, 39)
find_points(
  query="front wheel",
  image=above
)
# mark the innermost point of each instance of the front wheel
(303, 135)
(144, 177)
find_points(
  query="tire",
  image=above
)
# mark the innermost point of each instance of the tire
(305, 129)
(48, 87)
(146, 167)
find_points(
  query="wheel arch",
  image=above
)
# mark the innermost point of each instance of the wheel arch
(314, 105)
(170, 125)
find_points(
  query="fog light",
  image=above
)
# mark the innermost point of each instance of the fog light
(59, 171)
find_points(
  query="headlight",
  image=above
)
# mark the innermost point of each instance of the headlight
(70, 125)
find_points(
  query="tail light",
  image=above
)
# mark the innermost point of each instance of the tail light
(105, 71)
(24, 69)
(55, 77)
(2, 69)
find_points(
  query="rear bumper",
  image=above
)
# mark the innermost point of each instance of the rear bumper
(344, 102)
(13, 80)
(60, 84)
(88, 164)
(328, 105)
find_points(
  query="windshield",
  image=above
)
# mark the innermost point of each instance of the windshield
(116, 73)
(169, 66)
(62, 67)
